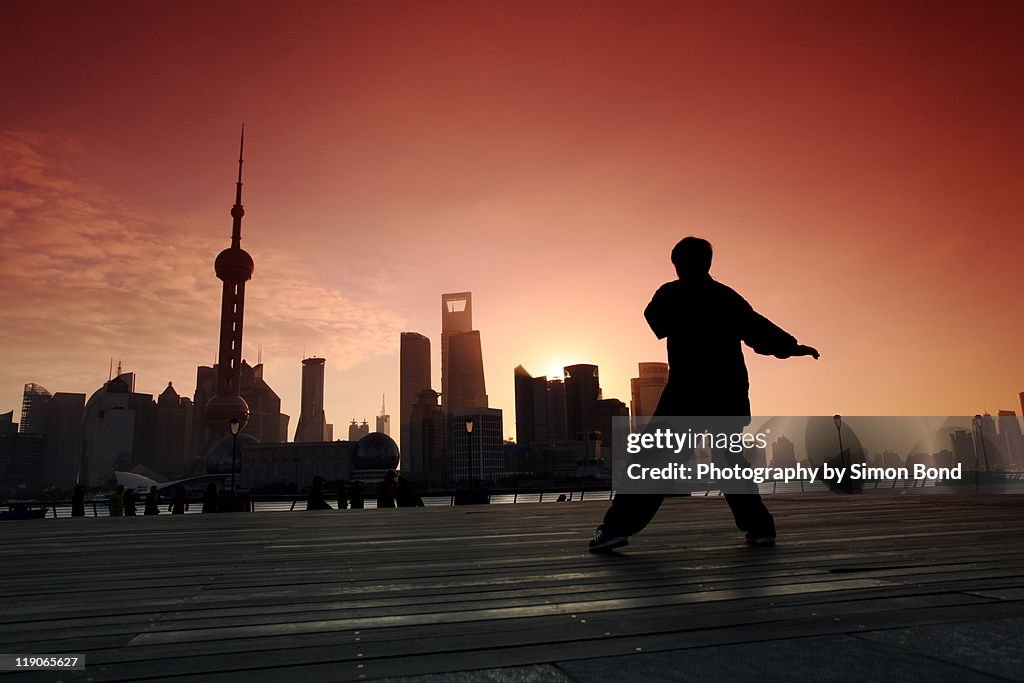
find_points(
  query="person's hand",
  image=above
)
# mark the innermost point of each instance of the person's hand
(803, 350)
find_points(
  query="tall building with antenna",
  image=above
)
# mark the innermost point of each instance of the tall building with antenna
(383, 420)
(234, 267)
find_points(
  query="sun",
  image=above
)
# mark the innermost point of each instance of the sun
(554, 370)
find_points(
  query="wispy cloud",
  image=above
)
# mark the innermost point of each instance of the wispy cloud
(85, 278)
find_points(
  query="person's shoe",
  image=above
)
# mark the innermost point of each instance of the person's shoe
(604, 542)
(761, 538)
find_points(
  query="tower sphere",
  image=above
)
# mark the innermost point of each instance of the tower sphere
(221, 409)
(234, 265)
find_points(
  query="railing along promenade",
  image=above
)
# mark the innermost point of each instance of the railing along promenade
(55, 509)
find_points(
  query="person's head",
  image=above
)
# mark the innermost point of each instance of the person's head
(152, 489)
(120, 488)
(390, 476)
(318, 483)
(211, 487)
(692, 257)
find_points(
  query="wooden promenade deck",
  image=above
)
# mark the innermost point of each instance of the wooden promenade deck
(895, 587)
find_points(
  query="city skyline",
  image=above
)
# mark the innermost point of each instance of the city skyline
(553, 191)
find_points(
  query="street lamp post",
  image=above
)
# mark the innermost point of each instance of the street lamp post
(234, 425)
(469, 446)
(838, 419)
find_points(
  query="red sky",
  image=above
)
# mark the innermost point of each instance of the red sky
(856, 167)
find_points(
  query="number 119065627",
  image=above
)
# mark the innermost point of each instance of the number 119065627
(42, 663)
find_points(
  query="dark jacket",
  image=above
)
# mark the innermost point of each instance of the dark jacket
(705, 322)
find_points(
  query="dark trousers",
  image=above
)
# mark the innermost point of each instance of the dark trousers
(630, 513)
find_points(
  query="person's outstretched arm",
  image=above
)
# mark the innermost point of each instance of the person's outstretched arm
(768, 339)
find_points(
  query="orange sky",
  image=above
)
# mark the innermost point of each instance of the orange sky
(857, 171)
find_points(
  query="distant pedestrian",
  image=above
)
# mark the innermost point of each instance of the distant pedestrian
(116, 502)
(152, 502)
(179, 503)
(561, 498)
(129, 503)
(210, 498)
(387, 490)
(315, 500)
(356, 494)
(342, 494)
(78, 501)
(407, 496)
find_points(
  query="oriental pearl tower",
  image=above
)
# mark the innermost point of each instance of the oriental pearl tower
(234, 267)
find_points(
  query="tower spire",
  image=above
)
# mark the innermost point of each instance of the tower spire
(234, 267)
(237, 211)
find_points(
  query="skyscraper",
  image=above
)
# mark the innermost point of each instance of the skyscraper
(478, 454)
(64, 439)
(557, 421)
(602, 416)
(173, 441)
(234, 266)
(466, 388)
(383, 420)
(425, 459)
(357, 430)
(991, 449)
(456, 317)
(35, 401)
(646, 391)
(57, 419)
(1011, 436)
(312, 424)
(414, 378)
(582, 391)
(531, 406)
(964, 451)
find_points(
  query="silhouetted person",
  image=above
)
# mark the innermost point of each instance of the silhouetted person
(358, 499)
(116, 502)
(561, 498)
(129, 503)
(152, 502)
(387, 490)
(210, 498)
(342, 495)
(407, 496)
(179, 502)
(78, 501)
(315, 500)
(705, 323)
